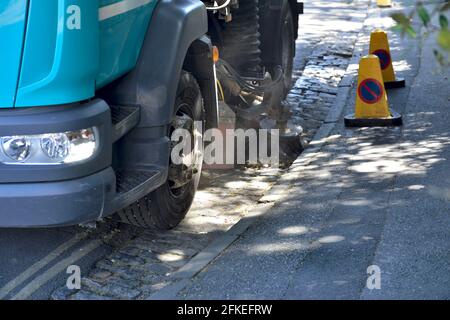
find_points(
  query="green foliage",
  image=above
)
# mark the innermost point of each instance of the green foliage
(404, 25)
(423, 14)
(443, 21)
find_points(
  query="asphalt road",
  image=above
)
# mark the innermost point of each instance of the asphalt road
(34, 261)
(20, 249)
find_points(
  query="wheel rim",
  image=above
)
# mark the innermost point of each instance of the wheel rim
(182, 174)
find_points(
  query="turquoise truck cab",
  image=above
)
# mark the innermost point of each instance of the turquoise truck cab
(60, 52)
(87, 93)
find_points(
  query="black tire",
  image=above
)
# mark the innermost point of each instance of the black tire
(167, 206)
(278, 36)
(288, 51)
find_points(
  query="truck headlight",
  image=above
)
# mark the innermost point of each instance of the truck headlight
(56, 146)
(17, 148)
(49, 149)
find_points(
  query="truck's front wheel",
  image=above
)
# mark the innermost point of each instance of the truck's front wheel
(167, 206)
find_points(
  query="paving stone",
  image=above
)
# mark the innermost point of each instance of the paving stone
(121, 291)
(155, 278)
(101, 276)
(84, 295)
(149, 289)
(114, 289)
(62, 293)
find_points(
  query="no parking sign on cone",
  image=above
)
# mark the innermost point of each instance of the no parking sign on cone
(371, 108)
(379, 46)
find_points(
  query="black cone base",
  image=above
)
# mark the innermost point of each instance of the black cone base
(394, 120)
(399, 83)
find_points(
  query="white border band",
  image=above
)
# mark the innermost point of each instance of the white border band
(119, 8)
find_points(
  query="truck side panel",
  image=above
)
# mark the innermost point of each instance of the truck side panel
(121, 36)
(74, 47)
(67, 75)
(12, 28)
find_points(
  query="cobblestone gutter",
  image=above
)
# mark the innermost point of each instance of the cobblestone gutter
(317, 86)
(147, 263)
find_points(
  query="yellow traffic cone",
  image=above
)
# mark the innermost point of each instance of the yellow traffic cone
(371, 109)
(384, 3)
(379, 46)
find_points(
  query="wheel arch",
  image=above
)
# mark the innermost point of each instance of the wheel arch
(199, 62)
(175, 26)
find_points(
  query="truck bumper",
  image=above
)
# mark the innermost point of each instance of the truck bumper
(65, 194)
(55, 203)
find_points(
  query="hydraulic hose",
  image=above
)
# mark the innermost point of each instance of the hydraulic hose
(222, 6)
(226, 70)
